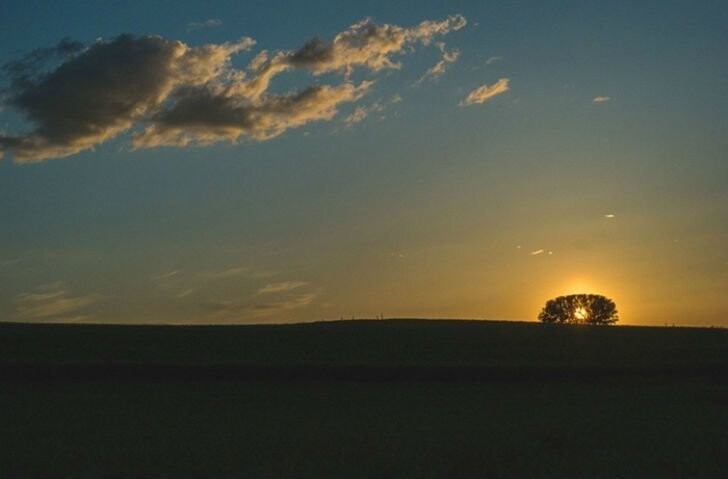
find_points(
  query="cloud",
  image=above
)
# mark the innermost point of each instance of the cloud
(600, 99)
(165, 276)
(224, 274)
(21, 71)
(441, 66)
(289, 303)
(211, 23)
(536, 253)
(280, 287)
(610, 215)
(492, 60)
(52, 303)
(97, 94)
(203, 117)
(361, 112)
(9, 262)
(173, 94)
(485, 92)
(236, 311)
(369, 45)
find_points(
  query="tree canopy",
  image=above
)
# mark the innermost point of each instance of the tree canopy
(579, 309)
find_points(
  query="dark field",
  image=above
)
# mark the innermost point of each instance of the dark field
(373, 399)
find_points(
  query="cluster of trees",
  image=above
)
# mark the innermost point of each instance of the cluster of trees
(579, 309)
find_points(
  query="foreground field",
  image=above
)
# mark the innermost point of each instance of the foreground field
(363, 399)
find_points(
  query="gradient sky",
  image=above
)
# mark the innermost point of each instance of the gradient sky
(542, 148)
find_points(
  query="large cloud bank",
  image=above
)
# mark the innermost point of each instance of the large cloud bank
(168, 93)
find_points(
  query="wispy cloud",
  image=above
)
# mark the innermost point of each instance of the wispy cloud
(52, 303)
(600, 99)
(287, 304)
(537, 252)
(485, 92)
(165, 276)
(492, 60)
(361, 112)
(281, 286)
(182, 95)
(245, 311)
(10, 262)
(610, 215)
(224, 274)
(211, 23)
(439, 68)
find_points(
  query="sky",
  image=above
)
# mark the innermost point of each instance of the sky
(259, 162)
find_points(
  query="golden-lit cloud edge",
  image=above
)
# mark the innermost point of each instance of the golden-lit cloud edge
(168, 93)
(486, 92)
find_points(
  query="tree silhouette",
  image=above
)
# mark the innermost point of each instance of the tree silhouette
(579, 309)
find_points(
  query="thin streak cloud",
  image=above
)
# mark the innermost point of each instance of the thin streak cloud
(52, 303)
(486, 92)
(211, 23)
(437, 70)
(281, 287)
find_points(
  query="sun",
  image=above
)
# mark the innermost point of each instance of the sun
(581, 313)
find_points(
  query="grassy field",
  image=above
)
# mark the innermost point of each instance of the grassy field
(369, 399)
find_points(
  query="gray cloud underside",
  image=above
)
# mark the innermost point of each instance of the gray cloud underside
(171, 94)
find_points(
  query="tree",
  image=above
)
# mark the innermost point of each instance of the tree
(579, 309)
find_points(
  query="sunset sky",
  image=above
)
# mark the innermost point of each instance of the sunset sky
(181, 162)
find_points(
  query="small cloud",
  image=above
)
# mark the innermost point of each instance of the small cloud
(600, 99)
(281, 286)
(357, 116)
(224, 274)
(536, 253)
(610, 215)
(361, 112)
(211, 23)
(492, 60)
(287, 304)
(237, 311)
(441, 66)
(52, 303)
(168, 275)
(10, 262)
(485, 92)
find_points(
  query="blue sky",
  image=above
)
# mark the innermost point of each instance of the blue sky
(601, 168)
